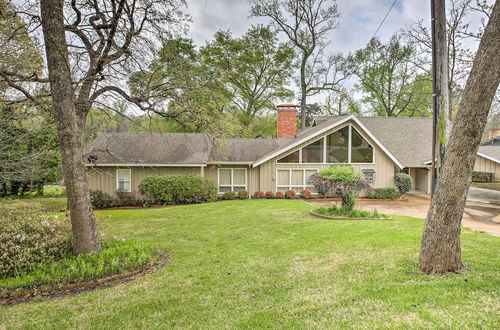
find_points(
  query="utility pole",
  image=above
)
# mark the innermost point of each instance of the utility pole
(441, 121)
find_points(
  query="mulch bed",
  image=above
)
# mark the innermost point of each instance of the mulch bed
(330, 217)
(400, 199)
(16, 296)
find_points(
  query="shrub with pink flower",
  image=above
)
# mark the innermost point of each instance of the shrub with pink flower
(278, 195)
(289, 194)
(258, 195)
(269, 195)
(306, 194)
(242, 194)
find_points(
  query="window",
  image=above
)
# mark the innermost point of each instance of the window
(290, 158)
(124, 180)
(313, 153)
(344, 146)
(361, 151)
(337, 149)
(232, 179)
(294, 179)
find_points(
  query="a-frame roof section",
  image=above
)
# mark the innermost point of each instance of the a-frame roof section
(320, 129)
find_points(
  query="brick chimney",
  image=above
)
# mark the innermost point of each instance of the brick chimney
(287, 120)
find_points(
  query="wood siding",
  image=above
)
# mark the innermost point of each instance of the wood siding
(485, 165)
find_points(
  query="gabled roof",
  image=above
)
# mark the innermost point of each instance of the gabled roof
(491, 152)
(322, 127)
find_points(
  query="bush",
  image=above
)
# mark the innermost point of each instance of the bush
(482, 176)
(289, 194)
(124, 198)
(29, 237)
(340, 173)
(269, 195)
(279, 195)
(343, 212)
(403, 182)
(116, 257)
(384, 193)
(101, 200)
(228, 195)
(258, 195)
(242, 194)
(306, 194)
(178, 189)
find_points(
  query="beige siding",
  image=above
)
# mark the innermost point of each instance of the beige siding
(485, 165)
(383, 165)
(422, 179)
(104, 178)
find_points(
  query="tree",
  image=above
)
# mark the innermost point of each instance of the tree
(461, 35)
(91, 46)
(440, 246)
(393, 86)
(254, 68)
(341, 103)
(306, 23)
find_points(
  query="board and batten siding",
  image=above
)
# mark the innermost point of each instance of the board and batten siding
(485, 165)
(383, 165)
(104, 178)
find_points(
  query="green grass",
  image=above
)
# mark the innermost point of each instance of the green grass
(115, 258)
(268, 264)
(337, 211)
(49, 204)
(487, 185)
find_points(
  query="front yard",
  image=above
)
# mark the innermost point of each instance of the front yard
(268, 264)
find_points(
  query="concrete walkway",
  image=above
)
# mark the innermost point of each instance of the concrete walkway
(477, 215)
(484, 195)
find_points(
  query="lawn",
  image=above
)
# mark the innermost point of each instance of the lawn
(268, 264)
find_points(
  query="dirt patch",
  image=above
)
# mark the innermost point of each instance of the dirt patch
(24, 294)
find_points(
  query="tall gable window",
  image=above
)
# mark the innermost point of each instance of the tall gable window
(232, 179)
(290, 158)
(344, 146)
(124, 180)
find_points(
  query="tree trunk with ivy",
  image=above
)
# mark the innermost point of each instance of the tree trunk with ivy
(70, 129)
(440, 246)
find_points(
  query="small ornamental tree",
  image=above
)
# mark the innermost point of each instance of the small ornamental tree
(403, 182)
(340, 181)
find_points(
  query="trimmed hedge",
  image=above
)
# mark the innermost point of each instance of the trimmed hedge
(403, 182)
(384, 193)
(102, 200)
(178, 189)
(483, 176)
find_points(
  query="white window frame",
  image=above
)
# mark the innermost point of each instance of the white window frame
(294, 187)
(325, 154)
(127, 170)
(232, 185)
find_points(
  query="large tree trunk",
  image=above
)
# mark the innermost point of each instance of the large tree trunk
(303, 93)
(440, 246)
(85, 238)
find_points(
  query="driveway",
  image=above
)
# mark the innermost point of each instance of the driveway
(484, 195)
(477, 215)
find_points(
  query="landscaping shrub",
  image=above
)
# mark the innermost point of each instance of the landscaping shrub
(306, 194)
(482, 176)
(101, 200)
(29, 237)
(179, 189)
(242, 194)
(258, 195)
(228, 195)
(290, 194)
(343, 212)
(116, 257)
(384, 193)
(279, 195)
(341, 181)
(403, 182)
(125, 198)
(269, 195)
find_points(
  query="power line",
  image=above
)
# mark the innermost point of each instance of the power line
(383, 20)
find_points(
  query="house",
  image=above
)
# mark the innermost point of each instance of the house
(377, 147)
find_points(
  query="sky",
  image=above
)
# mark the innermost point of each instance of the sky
(358, 22)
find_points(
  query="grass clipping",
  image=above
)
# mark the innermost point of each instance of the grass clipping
(340, 213)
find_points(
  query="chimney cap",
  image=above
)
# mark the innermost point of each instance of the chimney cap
(287, 106)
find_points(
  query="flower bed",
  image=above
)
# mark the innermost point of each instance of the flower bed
(339, 213)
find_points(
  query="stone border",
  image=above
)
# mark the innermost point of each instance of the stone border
(28, 294)
(329, 217)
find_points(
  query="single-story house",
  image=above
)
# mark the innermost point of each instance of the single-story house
(376, 147)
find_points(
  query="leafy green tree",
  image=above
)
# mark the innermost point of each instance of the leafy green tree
(254, 68)
(392, 84)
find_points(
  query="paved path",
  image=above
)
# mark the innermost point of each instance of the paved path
(477, 215)
(484, 195)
